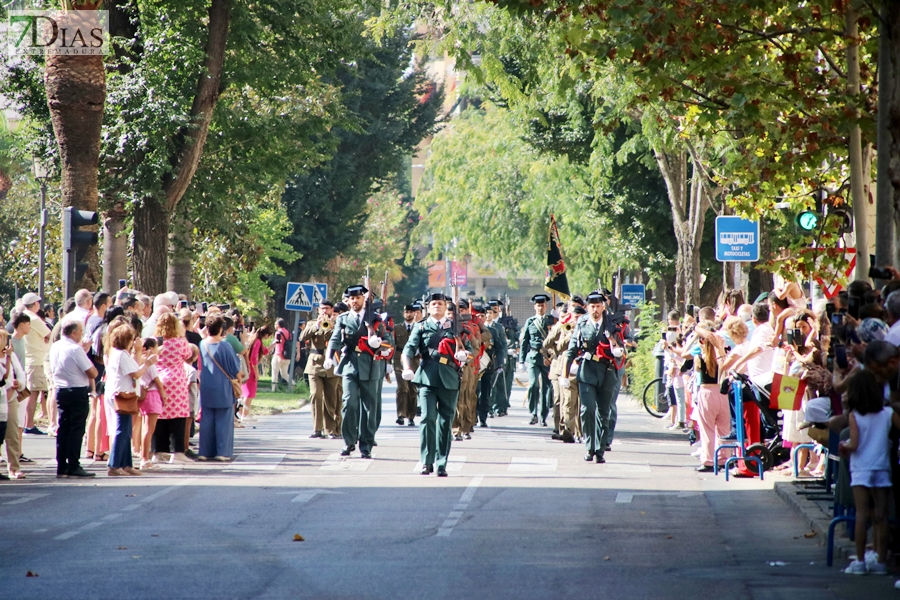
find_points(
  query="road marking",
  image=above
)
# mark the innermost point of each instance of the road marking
(529, 464)
(307, 495)
(22, 498)
(627, 497)
(336, 462)
(526, 439)
(67, 535)
(453, 518)
(112, 516)
(130, 507)
(93, 525)
(454, 464)
(161, 493)
(40, 530)
(256, 462)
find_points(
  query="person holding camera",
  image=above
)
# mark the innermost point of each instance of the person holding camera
(598, 345)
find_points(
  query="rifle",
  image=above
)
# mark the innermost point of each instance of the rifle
(455, 327)
(370, 312)
(384, 286)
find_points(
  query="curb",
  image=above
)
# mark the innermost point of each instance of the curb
(815, 516)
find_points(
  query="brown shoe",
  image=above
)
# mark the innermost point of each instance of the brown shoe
(132, 471)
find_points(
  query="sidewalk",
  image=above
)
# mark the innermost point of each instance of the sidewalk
(816, 507)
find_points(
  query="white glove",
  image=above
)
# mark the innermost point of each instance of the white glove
(461, 356)
(511, 352)
(386, 352)
(374, 341)
(564, 383)
(328, 364)
(408, 374)
(390, 368)
(521, 368)
(618, 352)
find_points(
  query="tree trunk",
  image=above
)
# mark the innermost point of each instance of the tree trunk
(151, 236)
(76, 93)
(857, 184)
(189, 142)
(115, 248)
(885, 244)
(180, 253)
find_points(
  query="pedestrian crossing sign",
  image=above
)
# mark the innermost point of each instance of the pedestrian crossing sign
(298, 297)
(319, 293)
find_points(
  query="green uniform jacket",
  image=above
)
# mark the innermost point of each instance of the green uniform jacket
(532, 339)
(401, 336)
(355, 361)
(424, 338)
(585, 338)
(498, 350)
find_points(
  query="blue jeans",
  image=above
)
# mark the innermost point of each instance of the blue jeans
(120, 453)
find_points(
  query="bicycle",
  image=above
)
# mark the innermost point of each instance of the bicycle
(654, 399)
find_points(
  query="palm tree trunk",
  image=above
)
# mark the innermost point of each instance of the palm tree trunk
(76, 94)
(115, 248)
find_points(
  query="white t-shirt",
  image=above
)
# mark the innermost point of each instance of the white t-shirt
(147, 378)
(68, 363)
(893, 336)
(759, 368)
(119, 367)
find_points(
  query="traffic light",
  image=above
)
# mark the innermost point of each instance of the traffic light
(807, 220)
(76, 243)
(844, 219)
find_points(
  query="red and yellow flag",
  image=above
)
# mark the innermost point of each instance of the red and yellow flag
(787, 392)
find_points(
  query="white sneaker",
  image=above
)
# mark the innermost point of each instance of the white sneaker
(870, 558)
(877, 568)
(696, 454)
(857, 567)
(179, 457)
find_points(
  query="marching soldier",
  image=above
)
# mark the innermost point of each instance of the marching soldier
(599, 346)
(550, 347)
(361, 350)
(494, 381)
(569, 421)
(323, 383)
(531, 353)
(437, 379)
(511, 329)
(406, 391)
(464, 421)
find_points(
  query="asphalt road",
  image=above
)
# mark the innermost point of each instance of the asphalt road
(519, 517)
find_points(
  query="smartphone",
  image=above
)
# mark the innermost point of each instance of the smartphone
(837, 319)
(225, 306)
(879, 273)
(182, 304)
(789, 337)
(840, 356)
(853, 307)
(829, 309)
(203, 321)
(203, 306)
(798, 336)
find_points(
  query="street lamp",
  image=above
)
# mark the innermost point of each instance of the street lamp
(42, 174)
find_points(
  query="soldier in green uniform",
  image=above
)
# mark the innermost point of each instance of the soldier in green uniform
(360, 374)
(597, 343)
(531, 354)
(437, 379)
(511, 328)
(494, 379)
(406, 391)
(323, 383)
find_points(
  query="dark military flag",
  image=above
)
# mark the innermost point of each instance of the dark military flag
(557, 282)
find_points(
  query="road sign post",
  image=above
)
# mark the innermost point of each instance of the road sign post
(302, 297)
(737, 239)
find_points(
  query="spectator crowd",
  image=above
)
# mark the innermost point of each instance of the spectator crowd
(819, 378)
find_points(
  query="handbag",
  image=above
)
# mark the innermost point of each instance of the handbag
(126, 403)
(235, 384)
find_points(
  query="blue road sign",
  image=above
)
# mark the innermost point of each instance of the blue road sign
(319, 293)
(633, 293)
(737, 240)
(297, 297)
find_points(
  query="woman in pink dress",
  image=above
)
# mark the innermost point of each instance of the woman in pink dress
(257, 349)
(169, 435)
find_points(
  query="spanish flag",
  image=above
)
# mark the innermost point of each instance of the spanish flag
(787, 392)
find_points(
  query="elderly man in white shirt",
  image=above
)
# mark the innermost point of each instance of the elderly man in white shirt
(162, 304)
(84, 303)
(72, 374)
(760, 351)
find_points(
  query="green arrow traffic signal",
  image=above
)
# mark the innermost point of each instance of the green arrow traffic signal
(807, 220)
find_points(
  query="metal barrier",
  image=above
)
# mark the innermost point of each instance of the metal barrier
(795, 450)
(737, 388)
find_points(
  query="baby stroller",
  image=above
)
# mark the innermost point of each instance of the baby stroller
(770, 451)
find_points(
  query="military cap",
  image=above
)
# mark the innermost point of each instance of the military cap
(493, 303)
(436, 296)
(596, 297)
(578, 300)
(540, 298)
(463, 303)
(326, 303)
(340, 307)
(579, 310)
(411, 307)
(355, 290)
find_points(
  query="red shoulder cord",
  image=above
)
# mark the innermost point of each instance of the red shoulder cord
(605, 350)
(364, 346)
(447, 347)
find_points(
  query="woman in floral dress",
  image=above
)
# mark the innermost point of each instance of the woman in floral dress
(169, 436)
